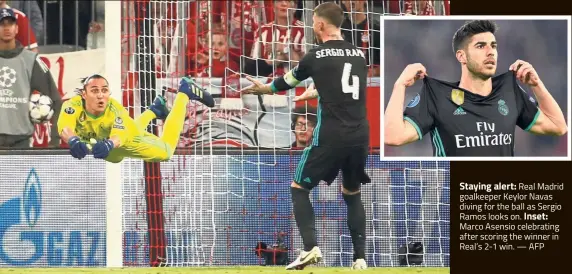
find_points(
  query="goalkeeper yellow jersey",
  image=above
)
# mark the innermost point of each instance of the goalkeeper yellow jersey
(115, 121)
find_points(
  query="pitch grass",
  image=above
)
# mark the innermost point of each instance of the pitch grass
(226, 270)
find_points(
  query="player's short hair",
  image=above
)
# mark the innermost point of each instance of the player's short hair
(331, 12)
(308, 112)
(471, 28)
(85, 80)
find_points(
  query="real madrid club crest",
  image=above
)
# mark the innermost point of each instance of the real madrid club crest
(458, 96)
(503, 108)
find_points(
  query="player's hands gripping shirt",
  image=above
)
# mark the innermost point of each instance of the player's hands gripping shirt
(462, 123)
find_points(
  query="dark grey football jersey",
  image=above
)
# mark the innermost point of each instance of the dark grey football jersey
(462, 123)
(339, 72)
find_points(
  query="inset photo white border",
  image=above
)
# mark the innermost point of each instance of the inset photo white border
(383, 78)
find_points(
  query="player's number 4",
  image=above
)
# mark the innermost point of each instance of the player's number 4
(346, 87)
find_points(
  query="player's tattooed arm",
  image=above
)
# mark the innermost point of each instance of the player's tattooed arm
(281, 83)
(397, 130)
(257, 87)
(550, 119)
(290, 80)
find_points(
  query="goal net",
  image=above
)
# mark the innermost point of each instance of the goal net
(226, 189)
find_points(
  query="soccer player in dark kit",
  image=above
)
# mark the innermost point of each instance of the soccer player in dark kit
(341, 134)
(478, 115)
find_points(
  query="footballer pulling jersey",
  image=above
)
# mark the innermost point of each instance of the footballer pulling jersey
(462, 123)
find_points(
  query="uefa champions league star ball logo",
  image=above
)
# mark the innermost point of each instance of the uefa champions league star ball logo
(503, 108)
(7, 77)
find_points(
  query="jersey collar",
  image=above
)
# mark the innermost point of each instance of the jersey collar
(497, 82)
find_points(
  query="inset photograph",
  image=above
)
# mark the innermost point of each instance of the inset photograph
(476, 88)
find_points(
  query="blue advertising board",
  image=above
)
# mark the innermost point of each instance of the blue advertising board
(216, 209)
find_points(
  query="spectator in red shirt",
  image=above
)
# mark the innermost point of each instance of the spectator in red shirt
(238, 19)
(197, 31)
(34, 15)
(278, 44)
(243, 19)
(25, 35)
(220, 60)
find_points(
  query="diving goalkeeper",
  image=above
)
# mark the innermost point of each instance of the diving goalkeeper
(94, 115)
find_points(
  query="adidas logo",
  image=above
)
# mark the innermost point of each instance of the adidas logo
(459, 111)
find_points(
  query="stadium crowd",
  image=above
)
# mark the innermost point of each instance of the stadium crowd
(222, 38)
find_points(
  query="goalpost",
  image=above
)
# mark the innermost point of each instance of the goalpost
(227, 189)
(114, 235)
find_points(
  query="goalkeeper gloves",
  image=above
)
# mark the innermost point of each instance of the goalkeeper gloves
(102, 148)
(78, 149)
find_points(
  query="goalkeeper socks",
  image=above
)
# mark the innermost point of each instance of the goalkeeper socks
(356, 223)
(145, 119)
(175, 121)
(304, 215)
